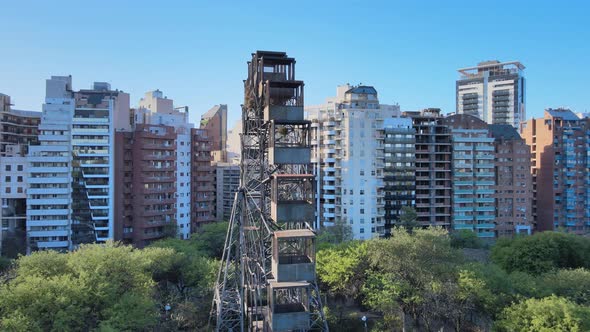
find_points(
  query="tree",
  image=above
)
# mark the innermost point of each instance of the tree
(330, 235)
(106, 286)
(5, 264)
(548, 314)
(573, 285)
(542, 252)
(210, 238)
(185, 280)
(342, 269)
(465, 238)
(408, 267)
(408, 218)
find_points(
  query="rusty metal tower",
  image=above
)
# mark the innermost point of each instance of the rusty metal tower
(267, 278)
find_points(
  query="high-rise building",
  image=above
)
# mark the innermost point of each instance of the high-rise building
(234, 144)
(560, 161)
(433, 168)
(493, 91)
(202, 179)
(514, 184)
(399, 172)
(18, 130)
(215, 122)
(153, 176)
(227, 183)
(473, 175)
(348, 157)
(70, 198)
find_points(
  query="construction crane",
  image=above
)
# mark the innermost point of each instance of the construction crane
(267, 279)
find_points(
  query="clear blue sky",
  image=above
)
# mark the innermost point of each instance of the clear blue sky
(196, 52)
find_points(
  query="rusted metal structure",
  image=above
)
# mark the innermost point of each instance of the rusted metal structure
(267, 279)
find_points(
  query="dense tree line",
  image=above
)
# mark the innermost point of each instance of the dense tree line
(417, 280)
(113, 287)
(420, 280)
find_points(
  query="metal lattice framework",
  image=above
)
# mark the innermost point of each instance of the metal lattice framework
(267, 279)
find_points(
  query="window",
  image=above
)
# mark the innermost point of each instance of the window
(8, 168)
(8, 190)
(362, 211)
(19, 168)
(19, 179)
(362, 230)
(7, 179)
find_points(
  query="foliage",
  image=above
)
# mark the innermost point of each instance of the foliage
(497, 288)
(542, 252)
(408, 217)
(412, 271)
(5, 263)
(185, 282)
(107, 287)
(465, 238)
(573, 285)
(210, 239)
(333, 235)
(342, 269)
(548, 314)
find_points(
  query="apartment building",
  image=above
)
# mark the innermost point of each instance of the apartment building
(514, 185)
(18, 130)
(433, 148)
(215, 122)
(473, 175)
(493, 91)
(202, 179)
(348, 157)
(560, 161)
(227, 183)
(399, 171)
(154, 173)
(70, 192)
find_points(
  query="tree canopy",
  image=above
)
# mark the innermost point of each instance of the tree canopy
(542, 252)
(108, 287)
(545, 315)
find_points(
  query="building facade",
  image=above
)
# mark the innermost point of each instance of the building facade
(433, 168)
(227, 183)
(514, 183)
(215, 122)
(203, 179)
(18, 130)
(348, 157)
(153, 173)
(493, 91)
(399, 169)
(70, 197)
(473, 175)
(560, 161)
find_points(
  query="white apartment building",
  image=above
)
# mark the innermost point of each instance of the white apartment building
(156, 109)
(493, 91)
(347, 153)
(70, 188)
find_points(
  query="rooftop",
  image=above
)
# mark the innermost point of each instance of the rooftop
(362, 89)
(564, 113)
(503, 131)
(491, 66)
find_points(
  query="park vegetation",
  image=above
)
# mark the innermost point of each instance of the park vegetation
(428, 280)
(414, 280)
(114, 287)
